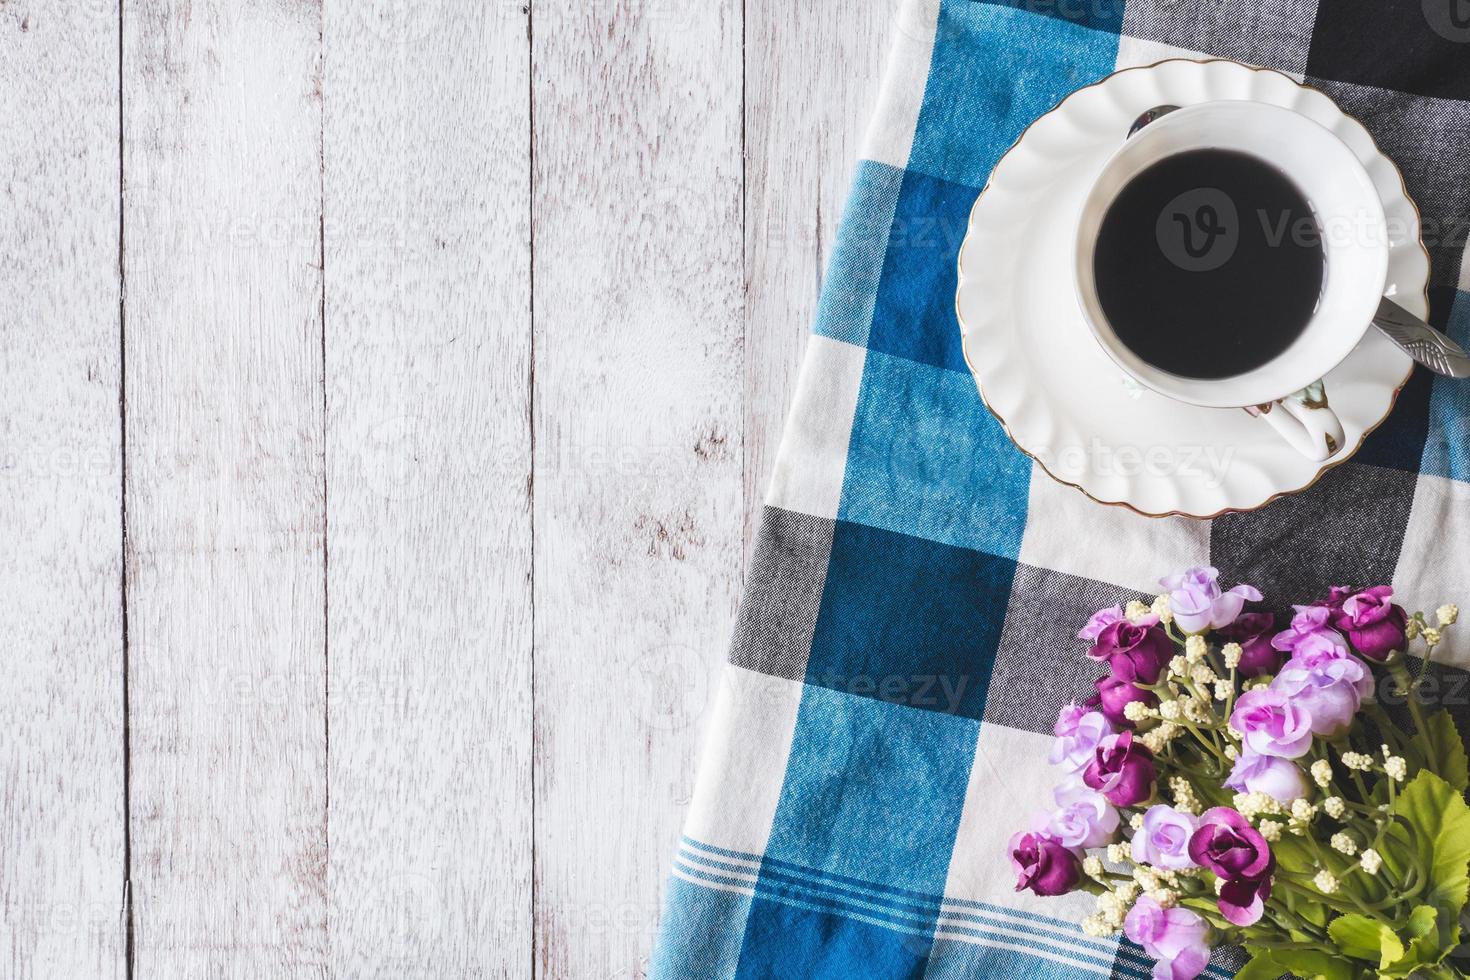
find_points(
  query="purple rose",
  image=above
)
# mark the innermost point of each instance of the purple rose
(1122, 770)
(1309, 632)
(1099, 621)
(1277, 778)
(1373, 624)
(1135, 653)
(1163, 840)
(1043, 865)
(1114, 694)
(1083, 819)
(1272, 723)
(1329, 684)
(1253, 631)
(1078, 731)
(1174, 937)
(1198, 604)
(1229, 846)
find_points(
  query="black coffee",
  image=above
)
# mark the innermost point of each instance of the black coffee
(1209, 264)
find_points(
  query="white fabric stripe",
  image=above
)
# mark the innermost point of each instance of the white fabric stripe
(812, 460)
(873, 911)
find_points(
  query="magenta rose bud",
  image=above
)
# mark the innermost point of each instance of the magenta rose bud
(1279, 779)
(1239, 856)
(1163, 840)
(1114, 694)
(1100, 621)
(1374, 625)
(1135, 653)
(1044, 866)
(1122, 770)
(1198, 604)
(1253, 631)
(1271, 723)
(1078, 731)
(1175, 937)
(1329, 684)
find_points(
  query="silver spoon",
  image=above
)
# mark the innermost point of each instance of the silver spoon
(1409, 333)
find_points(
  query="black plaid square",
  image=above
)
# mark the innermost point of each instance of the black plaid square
(1419, 46)
(783, 594)
(1273, 33)
(1040, 666)
(1347, 530)
(1429, 139)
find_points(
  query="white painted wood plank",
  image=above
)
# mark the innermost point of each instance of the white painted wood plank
(427, 158)
(812, 73)
(638, 392)
(61, 700)
(222, 130)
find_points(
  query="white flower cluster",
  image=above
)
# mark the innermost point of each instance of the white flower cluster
(1447, 614)
(1270, 829)
(1334, 807)
(1344, 844)
(1302, 813)
(1358, 761)
(1256, 804)
(1161, 609)
(1195, 649)
(1397, 768)
(1184, 799)
(1136, 611)
(1371, 861)
(1322, 773)
(1156, 738)
(1232, 653)
(1326, 882)
(1112, 908)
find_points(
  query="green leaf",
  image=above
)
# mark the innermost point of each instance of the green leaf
(1269, 964)
(1444, 750)
(1438, 822)
(1424, 948)
(1366, 939)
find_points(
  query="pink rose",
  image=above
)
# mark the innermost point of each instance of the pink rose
(1198, 604)
(1174, 937)
(1272, 723)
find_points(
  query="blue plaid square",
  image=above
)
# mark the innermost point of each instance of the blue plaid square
(1447, 451)
(860, 766)
(785, 942)
(999, 68)
(914, 315)
(850, 290)
(909, 621)
(927, 459)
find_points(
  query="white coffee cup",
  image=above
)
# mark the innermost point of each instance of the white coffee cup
(1287, 391)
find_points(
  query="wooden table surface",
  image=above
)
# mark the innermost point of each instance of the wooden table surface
(387, 390)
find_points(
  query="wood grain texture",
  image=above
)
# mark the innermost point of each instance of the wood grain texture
(638, 415)
(61, 700)
(429, 478)
(222, 163)
(812, 73)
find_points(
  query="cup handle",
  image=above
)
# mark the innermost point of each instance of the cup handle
(1305, 421)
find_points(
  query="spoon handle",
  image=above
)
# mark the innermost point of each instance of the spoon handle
(1421, 341)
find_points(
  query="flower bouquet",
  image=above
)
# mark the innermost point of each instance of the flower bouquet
(1231, 783)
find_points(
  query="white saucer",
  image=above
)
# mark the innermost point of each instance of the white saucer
(1060, 398)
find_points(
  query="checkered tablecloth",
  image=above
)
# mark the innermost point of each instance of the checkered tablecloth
(907, 633)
